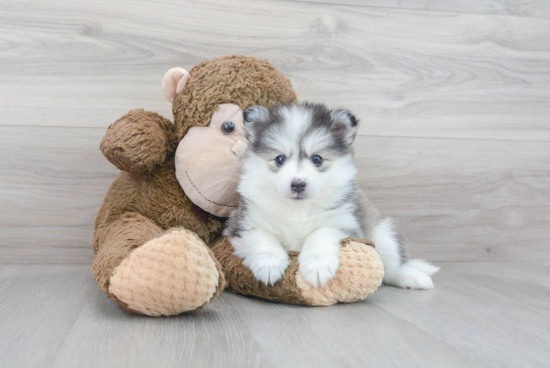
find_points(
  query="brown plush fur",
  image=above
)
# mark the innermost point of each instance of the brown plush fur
(243, 81)
(146, 199)
(139, 141)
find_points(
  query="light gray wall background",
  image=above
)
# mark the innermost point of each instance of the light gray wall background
(454, 99)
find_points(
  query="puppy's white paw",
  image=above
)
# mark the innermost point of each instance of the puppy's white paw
(411, 277)
(318, 269)
(268, 267)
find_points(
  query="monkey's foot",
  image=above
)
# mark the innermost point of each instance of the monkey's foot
(168, 275)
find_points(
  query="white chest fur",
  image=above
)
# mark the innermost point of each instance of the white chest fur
(293, 229)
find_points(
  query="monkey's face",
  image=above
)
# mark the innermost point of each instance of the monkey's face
(209, 161)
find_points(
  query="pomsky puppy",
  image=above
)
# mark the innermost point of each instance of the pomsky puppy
(299, 192)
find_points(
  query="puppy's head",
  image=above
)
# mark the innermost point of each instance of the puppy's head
(300, 153)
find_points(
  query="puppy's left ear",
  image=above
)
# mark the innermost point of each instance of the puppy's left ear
(345, 124)
(253, 117)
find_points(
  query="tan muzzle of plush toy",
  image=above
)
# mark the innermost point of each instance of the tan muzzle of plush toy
(214, 190)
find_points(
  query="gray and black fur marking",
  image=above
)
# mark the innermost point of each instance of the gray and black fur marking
(262, 122)
(234, 225)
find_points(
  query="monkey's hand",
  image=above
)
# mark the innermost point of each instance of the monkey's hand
(139, 141)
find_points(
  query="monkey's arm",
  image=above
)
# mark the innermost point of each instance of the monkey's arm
(139, 141)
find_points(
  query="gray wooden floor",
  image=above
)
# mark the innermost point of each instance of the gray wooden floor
(481, 314)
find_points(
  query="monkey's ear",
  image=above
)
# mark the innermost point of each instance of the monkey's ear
(173, 82)
(344, 124)
(252, 117)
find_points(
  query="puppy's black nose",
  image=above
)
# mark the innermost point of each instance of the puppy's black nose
(298, 186)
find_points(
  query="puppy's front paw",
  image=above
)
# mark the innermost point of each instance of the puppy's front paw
(318, 269)
(268, 268)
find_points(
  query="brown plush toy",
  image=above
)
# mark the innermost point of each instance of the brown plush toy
(157, 235)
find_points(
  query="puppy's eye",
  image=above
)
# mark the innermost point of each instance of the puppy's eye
(317, 160)
(280, 160)
(228, 128)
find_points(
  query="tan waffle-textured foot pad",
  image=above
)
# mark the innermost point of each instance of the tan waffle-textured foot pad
(168, 275)
(360, 273)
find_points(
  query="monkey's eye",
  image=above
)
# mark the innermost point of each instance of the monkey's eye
(317, 160)
(228, 128)
(280, 160)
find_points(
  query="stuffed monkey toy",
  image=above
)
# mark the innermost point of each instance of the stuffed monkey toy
(157, 239)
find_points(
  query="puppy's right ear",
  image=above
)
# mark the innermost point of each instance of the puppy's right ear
(345, 124)
(252, 117)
